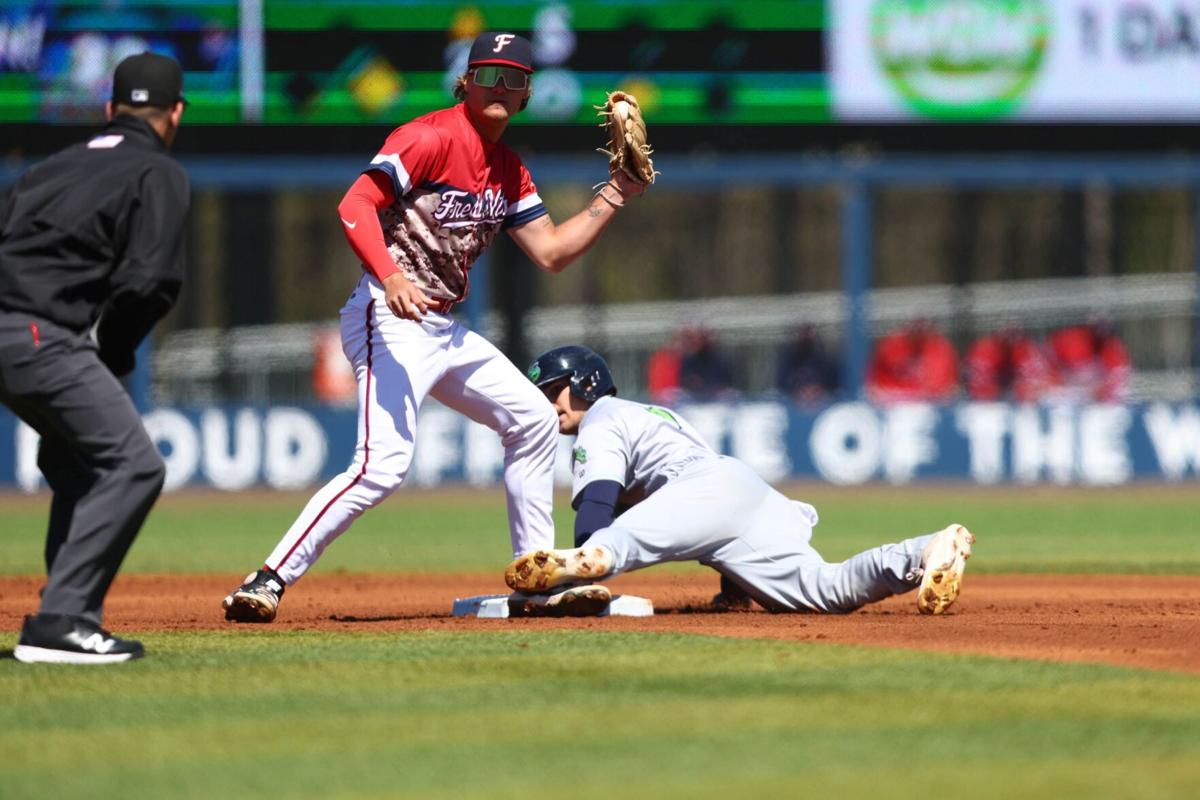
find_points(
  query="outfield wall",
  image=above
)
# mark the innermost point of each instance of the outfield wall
(291, 447)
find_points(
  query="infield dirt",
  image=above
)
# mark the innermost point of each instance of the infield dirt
(1139, 621)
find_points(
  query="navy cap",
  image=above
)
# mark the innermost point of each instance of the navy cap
(502, 50)
(148, 79)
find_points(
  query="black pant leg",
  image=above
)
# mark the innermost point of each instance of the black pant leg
(64, 391)
(97, 415)
(69, 479)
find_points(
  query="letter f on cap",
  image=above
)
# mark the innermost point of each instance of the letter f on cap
(502, 40)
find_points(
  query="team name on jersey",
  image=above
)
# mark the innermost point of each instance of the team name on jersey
(458, 207)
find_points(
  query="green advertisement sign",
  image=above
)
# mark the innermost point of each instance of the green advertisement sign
(956, 59)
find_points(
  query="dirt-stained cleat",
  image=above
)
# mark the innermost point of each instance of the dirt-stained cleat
(571, 601)
(542, 570)
(257, 599)
(943, 565)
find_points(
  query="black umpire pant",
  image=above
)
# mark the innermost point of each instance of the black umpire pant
(99, 461)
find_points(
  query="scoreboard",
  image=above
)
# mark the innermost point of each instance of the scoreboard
(723, 63)
(303, 62)
(57, 57)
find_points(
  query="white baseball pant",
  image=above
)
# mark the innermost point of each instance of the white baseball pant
(721, 513)
(398, 363)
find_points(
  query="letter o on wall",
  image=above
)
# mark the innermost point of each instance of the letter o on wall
(182, 456)
(846, 443)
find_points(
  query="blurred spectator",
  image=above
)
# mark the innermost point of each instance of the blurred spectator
(806, 373)
(913, 363)
(1089, 362)
(1006, 365)
(662, 373)
(703, 372)
(333, 379)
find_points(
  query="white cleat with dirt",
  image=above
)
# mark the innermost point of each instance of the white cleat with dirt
(943, 565)
(542, 570)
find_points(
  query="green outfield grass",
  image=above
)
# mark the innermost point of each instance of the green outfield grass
(538, 715)
(577, 714)
(1152, 529)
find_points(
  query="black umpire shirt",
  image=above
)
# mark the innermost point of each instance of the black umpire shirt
(96, 232)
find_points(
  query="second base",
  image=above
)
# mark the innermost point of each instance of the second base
(496, 606)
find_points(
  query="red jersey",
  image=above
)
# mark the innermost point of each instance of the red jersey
(454, 191)
(1089, 364)
(910, 365)
(1006, 365)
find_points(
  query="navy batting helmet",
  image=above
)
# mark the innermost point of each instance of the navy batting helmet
(589, 374)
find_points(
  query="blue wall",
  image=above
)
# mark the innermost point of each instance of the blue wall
(296, 447)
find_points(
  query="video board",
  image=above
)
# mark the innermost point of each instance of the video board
(696, 62)
(57, 56)
(307, 62)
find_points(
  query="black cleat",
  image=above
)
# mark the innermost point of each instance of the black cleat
(732, 597)
(257, 599)
(64, 639)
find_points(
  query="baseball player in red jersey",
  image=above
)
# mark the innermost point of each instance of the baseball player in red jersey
(432, 199)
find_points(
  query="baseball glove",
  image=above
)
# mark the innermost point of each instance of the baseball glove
(628, 149)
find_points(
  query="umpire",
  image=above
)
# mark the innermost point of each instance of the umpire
(91, 257)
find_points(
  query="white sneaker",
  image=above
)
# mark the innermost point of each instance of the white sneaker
(943, 564)
(572, 601)
(542, 570)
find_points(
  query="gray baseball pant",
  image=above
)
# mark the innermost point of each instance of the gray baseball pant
(99, 461)
(721, 513)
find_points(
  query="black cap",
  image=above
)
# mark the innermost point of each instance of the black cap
(502, 49)
(148, 79)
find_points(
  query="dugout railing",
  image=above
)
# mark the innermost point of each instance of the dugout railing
(1165, 306)
(261, 364)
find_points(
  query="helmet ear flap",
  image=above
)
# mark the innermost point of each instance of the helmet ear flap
(589, 386)
(589, 375)
(581, 386)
